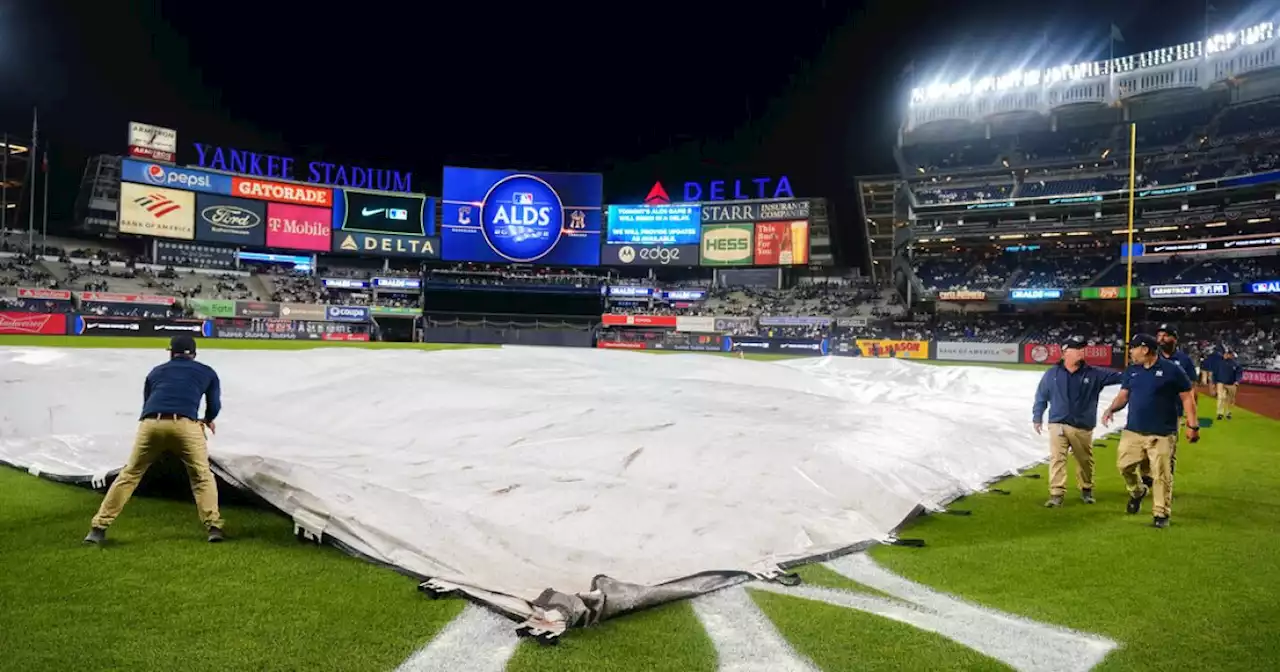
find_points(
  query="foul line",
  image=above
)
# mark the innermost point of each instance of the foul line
(744, 637)
(476, 641)
(1020, 643)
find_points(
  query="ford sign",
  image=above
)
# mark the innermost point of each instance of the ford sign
(231, 217)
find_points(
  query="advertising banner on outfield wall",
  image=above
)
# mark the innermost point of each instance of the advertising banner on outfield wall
(212, 307)
(686, 342)
(778, 346)
(1039, 353)
(302, 311)
(887, 347)
(639, 320)
(1267, 377)
(92, 325)
(33, 324)
(705, 325)
(977, 352)
(286, 330)
(725, 325)
(257, 309)
(622, 345)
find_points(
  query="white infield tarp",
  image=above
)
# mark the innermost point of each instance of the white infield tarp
(510, 471)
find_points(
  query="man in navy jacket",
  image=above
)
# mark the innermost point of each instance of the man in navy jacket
(1070, 390)
(1228, 378)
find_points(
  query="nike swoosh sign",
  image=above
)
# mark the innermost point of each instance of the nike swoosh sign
(366, 211)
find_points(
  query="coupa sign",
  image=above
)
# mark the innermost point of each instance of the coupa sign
(272, 166)
(346, 313)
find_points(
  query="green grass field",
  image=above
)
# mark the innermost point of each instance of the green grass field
(1200, 595)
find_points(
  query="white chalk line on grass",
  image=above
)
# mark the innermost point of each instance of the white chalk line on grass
(745, 639)
(476, 641)
(1018, 642)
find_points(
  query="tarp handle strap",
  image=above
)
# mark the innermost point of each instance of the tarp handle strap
(998, 491)
(914, 543)
(788, 579)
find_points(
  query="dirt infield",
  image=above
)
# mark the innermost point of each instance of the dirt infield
(1260, 400)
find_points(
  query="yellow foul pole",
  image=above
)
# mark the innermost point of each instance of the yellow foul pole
(1128, 287)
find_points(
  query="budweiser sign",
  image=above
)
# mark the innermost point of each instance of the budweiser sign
(33, 324)
(54, 294)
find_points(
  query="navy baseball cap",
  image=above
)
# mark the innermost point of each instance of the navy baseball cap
(1144, 339)
(1070, 342)
(1168, 329)
(182, 345)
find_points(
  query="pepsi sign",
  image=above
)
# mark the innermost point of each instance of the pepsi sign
(160, 175)
(510, 216)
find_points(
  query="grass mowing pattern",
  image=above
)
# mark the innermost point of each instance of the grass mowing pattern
(668, 638)
(159, 597)
(1199, 595)
(844, 639)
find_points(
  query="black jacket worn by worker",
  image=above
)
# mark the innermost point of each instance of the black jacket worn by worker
(1229, 372)
(176, 387)
(1072, 398)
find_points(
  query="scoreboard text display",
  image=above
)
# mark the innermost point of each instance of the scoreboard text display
(675, 224)
(501, 216)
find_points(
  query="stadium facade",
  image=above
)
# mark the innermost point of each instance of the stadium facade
(1035, 163)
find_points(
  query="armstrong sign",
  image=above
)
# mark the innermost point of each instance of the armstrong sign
(277, 167)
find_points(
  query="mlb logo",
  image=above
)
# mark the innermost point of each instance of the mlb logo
(522, 198)
(397, 213)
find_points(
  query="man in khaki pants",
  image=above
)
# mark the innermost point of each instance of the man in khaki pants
(1228, 375)
(1154, 388)
(1070, 391)
(171, 403)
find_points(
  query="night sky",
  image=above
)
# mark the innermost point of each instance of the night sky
(640, 91)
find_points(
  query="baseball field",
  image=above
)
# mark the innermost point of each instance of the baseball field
(1012, 584)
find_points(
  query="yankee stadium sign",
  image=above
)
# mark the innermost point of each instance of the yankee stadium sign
(245, 162)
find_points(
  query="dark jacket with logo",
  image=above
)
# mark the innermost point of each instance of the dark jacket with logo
(1072, 398)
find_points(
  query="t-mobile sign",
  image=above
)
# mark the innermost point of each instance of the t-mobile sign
(298, 227)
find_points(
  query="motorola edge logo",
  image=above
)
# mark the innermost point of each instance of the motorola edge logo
(522, 217)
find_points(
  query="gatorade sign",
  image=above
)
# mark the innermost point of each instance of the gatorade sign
(727, 244)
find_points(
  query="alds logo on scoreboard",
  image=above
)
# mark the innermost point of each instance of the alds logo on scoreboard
(522, 217)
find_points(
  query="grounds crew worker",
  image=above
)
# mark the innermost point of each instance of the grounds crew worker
(1228, 376)
(1167, 340)
(1151, 388)
(171, 404)
(1070, 389)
